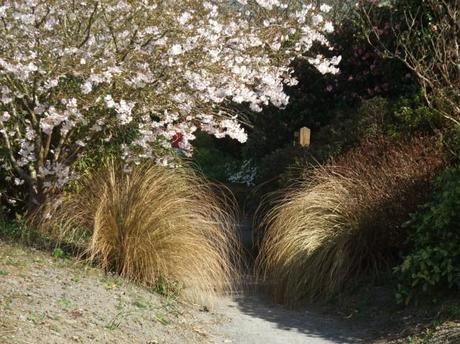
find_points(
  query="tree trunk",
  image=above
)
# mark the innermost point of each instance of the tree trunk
(35, 199)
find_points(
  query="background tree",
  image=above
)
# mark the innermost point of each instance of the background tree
(425, 36)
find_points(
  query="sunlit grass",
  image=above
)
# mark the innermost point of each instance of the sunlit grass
(152, 225)
(344, 220)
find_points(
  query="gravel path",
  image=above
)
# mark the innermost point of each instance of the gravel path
(254, 320)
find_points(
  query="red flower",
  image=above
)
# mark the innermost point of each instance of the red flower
(176, 140)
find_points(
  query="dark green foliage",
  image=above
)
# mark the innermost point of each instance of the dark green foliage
(12, 229)
(396, 117)
(216, 158)
(19, 231)
(272, 165)
(434, 262)
(412, 114)
(22, 232)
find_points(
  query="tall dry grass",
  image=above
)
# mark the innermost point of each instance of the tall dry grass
(153, 224)
(344, 221)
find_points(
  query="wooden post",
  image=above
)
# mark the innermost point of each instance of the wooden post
(304, 137)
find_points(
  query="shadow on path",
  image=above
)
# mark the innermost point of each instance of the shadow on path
(254, 320)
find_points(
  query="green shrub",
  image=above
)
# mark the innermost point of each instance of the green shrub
(19, 231)
(413, 114)
(214, 159)
(434, 262)
(13, 230)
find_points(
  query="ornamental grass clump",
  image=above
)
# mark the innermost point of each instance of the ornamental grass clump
(151, 225)
(344, 220)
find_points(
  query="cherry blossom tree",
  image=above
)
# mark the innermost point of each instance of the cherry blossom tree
(73, 72)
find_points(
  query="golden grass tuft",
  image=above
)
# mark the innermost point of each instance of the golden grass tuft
(343, 221)
(151, 225)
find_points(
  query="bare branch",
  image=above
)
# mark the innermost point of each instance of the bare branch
(90, 24)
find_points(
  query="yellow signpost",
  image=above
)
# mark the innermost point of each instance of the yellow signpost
(304, 137)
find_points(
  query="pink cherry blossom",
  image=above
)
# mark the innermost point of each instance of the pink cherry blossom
(72, 73)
